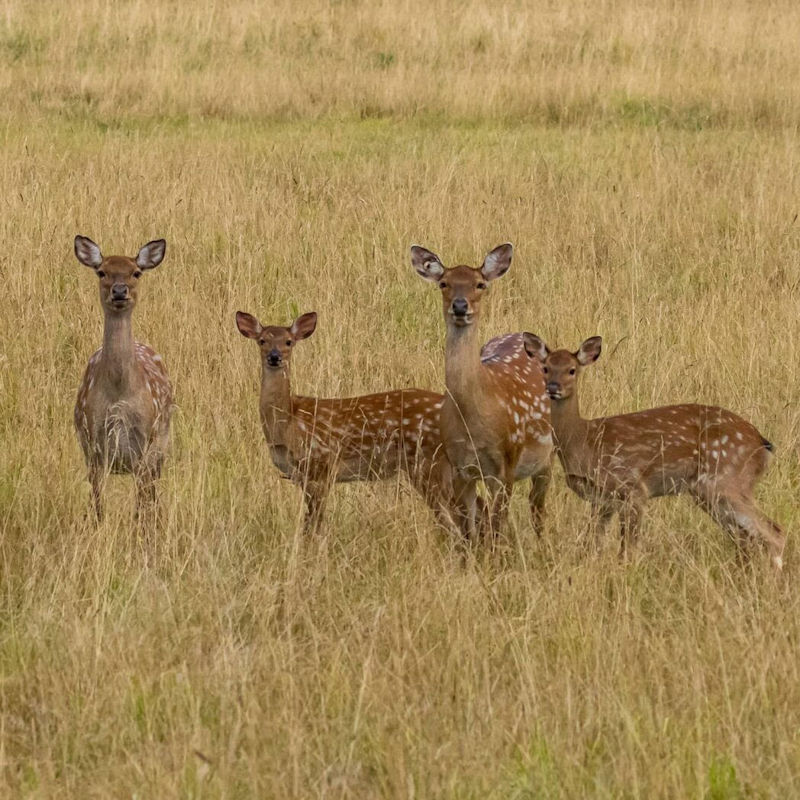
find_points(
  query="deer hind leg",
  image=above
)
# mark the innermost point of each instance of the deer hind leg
(739, 516)
(538, 493)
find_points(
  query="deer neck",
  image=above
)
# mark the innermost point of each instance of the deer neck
(462, 364)
(276, 403)
(570, 431)
(118, 365)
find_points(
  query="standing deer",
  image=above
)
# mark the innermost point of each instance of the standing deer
(496, 416)
(317, 442)
(618, 463)
(125, 400)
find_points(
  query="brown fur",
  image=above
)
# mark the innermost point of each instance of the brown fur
(496, 416)
(317, 442)
(617, 463)
(124, 403)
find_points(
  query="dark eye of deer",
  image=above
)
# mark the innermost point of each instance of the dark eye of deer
(545, 370)
(572, 371)
(100, 274)
(288, 343)
(481, 285)
(137, 274)
(442, 285)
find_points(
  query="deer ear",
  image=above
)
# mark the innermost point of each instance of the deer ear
(427, 264)
(248, 325)
(152, 254)
(304, 325)
(535, 347)
(497, 262)
(589, 351)
(87, 252)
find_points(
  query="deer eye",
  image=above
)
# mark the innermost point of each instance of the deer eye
(100, 273)
(572, 371)
(545, 370)
(442, 284)
(481, 285)
(288, 343)
(137, 274)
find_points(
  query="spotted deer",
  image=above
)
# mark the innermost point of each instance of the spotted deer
(495, 419)
(618, 463)
(317, 442)
(124, 403)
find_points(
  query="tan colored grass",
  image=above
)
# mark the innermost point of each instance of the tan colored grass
(644, 160)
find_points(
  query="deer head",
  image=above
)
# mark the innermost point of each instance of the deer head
(275, 342)
(562, 368)
(119, 275)
(462, 287)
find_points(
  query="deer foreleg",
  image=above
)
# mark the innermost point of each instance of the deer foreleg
(539, 485)
(147, 510)
(315, 496)
(97, 479)
(465, 498)
(630, 517)
(499, 499)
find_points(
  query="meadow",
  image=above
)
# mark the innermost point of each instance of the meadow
(642, 157)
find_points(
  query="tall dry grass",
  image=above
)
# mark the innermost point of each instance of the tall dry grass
(644, 160)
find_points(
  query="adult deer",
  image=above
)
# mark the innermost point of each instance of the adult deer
(125, 400)
(619, 462)
(317, 442)
(495, 419)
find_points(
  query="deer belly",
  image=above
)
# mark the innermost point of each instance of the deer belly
(369, 465)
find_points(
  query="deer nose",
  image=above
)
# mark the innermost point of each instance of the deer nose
(119, 291)
(553, 388)
(460, 307)
(274, 358)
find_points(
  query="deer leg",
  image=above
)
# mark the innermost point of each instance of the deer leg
(742, 520)
(315, 496)
(433, 480)
(97, 479)
(499, 499)
(630, 522)
(147, 511)
(539, 485)
(598, 522)
(465, 500)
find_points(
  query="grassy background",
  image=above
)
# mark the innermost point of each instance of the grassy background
(643, 157)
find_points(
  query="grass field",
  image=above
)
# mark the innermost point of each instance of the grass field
(643, 158)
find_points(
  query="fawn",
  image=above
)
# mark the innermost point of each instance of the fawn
(617, 463)
(124, 403)
(317, 442)
(495, 420)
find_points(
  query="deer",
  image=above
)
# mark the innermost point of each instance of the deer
(618, 463)
(124, 403)
(495, 419)
(317, 442)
